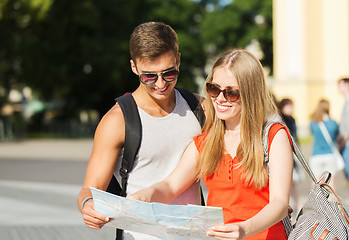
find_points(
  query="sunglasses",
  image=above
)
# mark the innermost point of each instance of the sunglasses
(230, 94)
(167, 76)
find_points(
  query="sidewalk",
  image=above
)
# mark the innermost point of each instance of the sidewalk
(48, 149)
(41, 210)
(33, 210)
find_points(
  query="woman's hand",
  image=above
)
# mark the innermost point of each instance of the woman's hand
(227, 231)
(144, 195)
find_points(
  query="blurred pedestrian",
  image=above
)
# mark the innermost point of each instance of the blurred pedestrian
(286, 109)
(343, 87)
(323, 157)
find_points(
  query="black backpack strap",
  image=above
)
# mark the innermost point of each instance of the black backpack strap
(194, 105)
(133, 137)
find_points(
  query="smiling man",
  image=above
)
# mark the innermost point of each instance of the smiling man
(168, 125)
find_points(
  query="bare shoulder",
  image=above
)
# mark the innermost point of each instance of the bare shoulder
(111, 128)
(114, 114)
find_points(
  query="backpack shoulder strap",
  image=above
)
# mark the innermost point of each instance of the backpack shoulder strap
(133, 137)
(297, 154)
(194, 105)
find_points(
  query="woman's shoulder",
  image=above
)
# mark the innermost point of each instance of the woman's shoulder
(275, 129)
(199, 141)
(331, 122)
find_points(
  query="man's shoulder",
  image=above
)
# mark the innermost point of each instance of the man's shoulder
(111, 128)
(113, 116)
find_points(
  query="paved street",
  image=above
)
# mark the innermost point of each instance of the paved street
(39, 184)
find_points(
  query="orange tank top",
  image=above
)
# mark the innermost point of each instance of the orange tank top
(239, 202)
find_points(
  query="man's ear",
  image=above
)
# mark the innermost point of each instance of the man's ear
(179, 59)
(133, 67)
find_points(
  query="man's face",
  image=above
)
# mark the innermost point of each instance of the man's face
(160, 89)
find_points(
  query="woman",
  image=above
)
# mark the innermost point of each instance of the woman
(229, 154)
(323, 158)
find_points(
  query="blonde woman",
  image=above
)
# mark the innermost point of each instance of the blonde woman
(229, 154)
(323, 158)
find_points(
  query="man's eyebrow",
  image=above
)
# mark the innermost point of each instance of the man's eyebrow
(170, 68)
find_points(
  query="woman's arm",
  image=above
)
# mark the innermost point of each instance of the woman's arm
(177, 182)
(280, 179)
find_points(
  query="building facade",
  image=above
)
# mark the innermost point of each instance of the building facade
(311, 52)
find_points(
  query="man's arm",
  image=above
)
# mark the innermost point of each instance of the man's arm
(108, 141)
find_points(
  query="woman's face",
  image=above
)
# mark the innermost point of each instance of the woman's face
(226, 110)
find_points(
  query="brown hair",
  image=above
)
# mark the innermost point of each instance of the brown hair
(322, 108)
(256, 106)
(149, 40)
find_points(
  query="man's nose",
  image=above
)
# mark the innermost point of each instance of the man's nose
(160, 83)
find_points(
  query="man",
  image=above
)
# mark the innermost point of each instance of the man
(343, 87)
(168, 125)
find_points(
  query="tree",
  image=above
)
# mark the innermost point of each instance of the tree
(75, 53)
(235, 26)
(79, 52)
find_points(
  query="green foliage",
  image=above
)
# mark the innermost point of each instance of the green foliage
(237, 24)
(76, 52)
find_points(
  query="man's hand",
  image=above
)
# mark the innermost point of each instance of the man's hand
(92, 218)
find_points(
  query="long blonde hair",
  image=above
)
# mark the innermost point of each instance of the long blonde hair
(256, 106)
(322, 108)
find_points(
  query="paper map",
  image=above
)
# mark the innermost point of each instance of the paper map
(164, 221)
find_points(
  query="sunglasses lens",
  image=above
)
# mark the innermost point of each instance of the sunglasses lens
(148, 78)
(229, 94)
(212, 90)
(232, 95)
(170, 75)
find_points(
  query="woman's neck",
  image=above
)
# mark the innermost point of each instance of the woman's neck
(232, 125)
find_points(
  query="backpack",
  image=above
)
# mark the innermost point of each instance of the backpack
(133, 138)
(324, 214)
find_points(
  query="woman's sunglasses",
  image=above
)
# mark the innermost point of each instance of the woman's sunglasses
(167, 76)
(230, 94)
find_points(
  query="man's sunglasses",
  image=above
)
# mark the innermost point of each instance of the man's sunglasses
(230, 94)
(167, 76)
